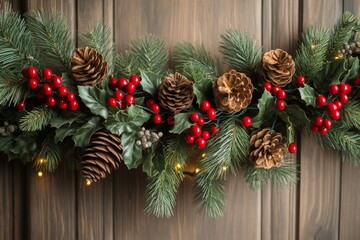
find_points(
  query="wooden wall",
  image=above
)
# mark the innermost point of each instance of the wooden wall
(325, 204)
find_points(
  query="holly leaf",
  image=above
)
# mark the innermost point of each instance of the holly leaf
(132, 153)
(353, 71)
(95, 99)
(307, 94)
(297, 116)
(266, 106)
(69, 83)
(290, 130)
(84, 133)
(128, 120)
(330, 74)
(63, 132)
(150, 81)
(67, 118)
(181, 123)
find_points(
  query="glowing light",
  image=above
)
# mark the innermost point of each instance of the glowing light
(203, 155)
(339, 56)
(313, 46)
(87, 182)
(224, 168)
(197, 170)
(40, 174)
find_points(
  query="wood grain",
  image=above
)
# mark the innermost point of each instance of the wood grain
(6, 199)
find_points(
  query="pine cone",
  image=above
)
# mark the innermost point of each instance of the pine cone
(233, 91)
(267, 148)
(277, 67)
(101, 156)
(176, 93)
(88, 66)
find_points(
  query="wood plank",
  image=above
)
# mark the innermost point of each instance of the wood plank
(6, 199)
(321, 12)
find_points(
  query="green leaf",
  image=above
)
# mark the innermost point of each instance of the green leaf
(150, 81)
(266, 108)
(331, 73)
(84, 133)
(63, 132)
(307, 94)
(129, 120)
(132, 153)
(181, 123)
(37, 119)
(95, 99)
(296, 115)
(290, 130)
(67, 118)
(353, 71)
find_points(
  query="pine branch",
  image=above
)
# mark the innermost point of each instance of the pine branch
(37, 119)
(343, 31)
(351, 115)
(16, 47)
(187, 57)
(162, 188)
(126, 64)
(311, 56)
(49, 156)
(151, 54)
(100, 38)
(12, 89)
(241, 52)
(52, 39)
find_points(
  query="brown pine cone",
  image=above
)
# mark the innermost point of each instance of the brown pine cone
(176, 93)
(267, 148)
(88, 67)
(101, 156)
(233, 91)
(277, 67)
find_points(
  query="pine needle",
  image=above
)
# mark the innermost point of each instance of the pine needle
(37, 119)
(49, 156)
(126, 64)
(351, 115)
(12, 88)
(241, 52)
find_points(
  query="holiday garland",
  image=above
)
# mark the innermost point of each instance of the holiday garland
(97, 109)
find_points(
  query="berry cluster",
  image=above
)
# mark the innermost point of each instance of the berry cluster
(155, 108)
(146, 139)
(123, 91)
(279, 93)
(7, 129)
(49, 88)
(321, 125)
(196, 134)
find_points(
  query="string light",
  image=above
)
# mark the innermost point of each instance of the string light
(339, 56)
(197, 170)
(87, 182)
(313, 46)
(224, 168)
(40, 174)
(178, 166)
(203, 155)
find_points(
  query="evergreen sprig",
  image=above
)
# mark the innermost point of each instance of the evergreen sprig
(241, 52)
(37, 119)
(351, 114)
(52, 39)
(311, 56)
(126, 64)
(16, 47)
(49, 156)
(162, 188)
(100, 38)
(12, 89)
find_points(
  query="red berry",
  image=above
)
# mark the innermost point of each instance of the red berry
(51, 101)
(150, 102)
(292, 148)
(333, 89)
(343, 98)
(323, 130)
(195, 130)
(130, 88)
(31, 72)
(214, 130)
(200, 142)
(155, 108)
(318, 121)
(300, 80)
(200, 121)
(121, 105)
(194, 117)
(56, 81)
(189, 139)
(280, 105)
(129, 100)
(320, 100)
(211, 114)
(205, 135)
(47, 73)
(70, 97)
(338, 104)
(335, 115)
(267, 86)
(135, 79)
(314, 128)
(112, 102)
(62, 104)
(170, 120)
(62, 91)
(281, 94)
(332, 107)
(246, 121)
(327, 123)
(157, 119)
(205, 106)
(73, 105)
(20, 106)
(33, 83)
(46, 89)
(118, 95)
(344, 88)
(275, 89)
(357, 81)
(112, 83)
(122, 83)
